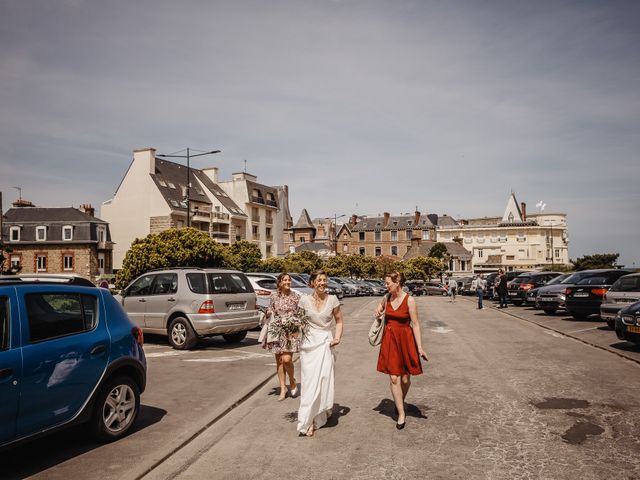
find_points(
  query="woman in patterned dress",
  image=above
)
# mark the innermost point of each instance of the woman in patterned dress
(284, 302)
(401, 346)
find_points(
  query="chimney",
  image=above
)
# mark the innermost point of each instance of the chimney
(416, 217)
(386, 219)
(353, 220)
(416, 242)
(148, 156)
(88, 209)
(523, 208)
(212, 173)
(21, 202)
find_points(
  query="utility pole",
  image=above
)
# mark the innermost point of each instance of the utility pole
(188, 156)
(335, 231)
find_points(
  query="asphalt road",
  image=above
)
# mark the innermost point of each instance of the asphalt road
(502, 397)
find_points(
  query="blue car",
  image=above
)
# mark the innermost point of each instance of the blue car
(628, 323)
(68, 354)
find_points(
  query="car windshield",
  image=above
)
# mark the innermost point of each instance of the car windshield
(521, 279)
(627, 284)
(558, 279)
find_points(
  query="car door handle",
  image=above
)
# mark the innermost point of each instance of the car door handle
(6, 372)
(142, 300)
(171, 299)
(98, 349)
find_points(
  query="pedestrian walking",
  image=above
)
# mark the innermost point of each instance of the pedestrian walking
(479, 284)
(401, 346)
(453, 289)
(501, 287)
(317, 355)
(283, 304)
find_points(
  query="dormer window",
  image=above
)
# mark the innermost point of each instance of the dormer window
(510, 217)
(270, 197)
(175, 203)
(409, 223)
(41, 233)
(102, 235)
(171, 185)
(162, 182)
(14, 234)
(67, 233)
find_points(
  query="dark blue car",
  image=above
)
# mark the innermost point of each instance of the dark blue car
(68, 354)
(628, 323)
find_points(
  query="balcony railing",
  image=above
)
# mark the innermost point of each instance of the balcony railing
(105, 246)
(222, 235)
(255, 199)
(269, 219)
(220, 216)
(272, 203)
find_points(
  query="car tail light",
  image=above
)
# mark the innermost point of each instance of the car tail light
(138, 335)
(207, 307)
(263, 293)
(599, 291)
(567, 291)
(526, 286)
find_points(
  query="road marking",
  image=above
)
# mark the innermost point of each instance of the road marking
(245, 356)
(441, 330)
(170, 353)
(554, 334)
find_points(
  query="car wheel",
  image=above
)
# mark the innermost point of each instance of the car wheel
(181, 334)
(517, 303)
(611, 324)
(579, 316)
(550, 311)
(444, 294)
(115, 410)
(234, 337)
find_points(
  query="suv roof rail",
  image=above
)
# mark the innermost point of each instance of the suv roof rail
(173, 268)
(46, 278)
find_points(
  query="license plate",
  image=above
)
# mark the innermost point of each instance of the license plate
(544, 299)
(513, 294)
(236, 306)
(581, 294)
(633, 329)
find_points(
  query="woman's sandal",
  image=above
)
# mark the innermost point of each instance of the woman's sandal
(310, 431)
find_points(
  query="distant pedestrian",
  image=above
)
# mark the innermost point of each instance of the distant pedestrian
(479, 284)
(501, 287)
(284, 302)
(317, 355)
(453, 289)
(401, 346)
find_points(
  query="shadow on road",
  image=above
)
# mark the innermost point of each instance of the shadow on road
(626, 346)
(203, 343)
(387, 407)
(39, 455)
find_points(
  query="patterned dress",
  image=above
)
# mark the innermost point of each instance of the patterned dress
(283, 304)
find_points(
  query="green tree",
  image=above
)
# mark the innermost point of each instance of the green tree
(386, 265)
(274, 265)
(337, 266)
(6, 269)
(423, 268)
(599, 260)
(439, 250)
(302, 262)
(171, 248)
(244, 256)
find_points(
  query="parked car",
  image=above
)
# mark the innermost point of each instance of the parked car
(490, 278)
(348, 287)
(376, 288)
(68, 355)
(416, 287)
(435, 288)
(531, 299)
(364, 289)
(464, 286)
(268, 282)
(519, 286)
(188, 303)
(628, 323)
(551, 298)
(624, 291)
(585, 297)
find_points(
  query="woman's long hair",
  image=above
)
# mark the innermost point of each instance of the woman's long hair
(315, 274)
(280, 279)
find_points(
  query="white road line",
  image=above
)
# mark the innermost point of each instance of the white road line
(554, 334)
(583, 330)
(440, 330)
(246, 356)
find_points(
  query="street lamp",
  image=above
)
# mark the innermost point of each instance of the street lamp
(188, 156)
(335, 234)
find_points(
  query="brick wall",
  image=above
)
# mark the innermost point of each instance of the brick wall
(85, 259)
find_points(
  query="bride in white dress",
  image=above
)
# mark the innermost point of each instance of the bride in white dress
(317, 356)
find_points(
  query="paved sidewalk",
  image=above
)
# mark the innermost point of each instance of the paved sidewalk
(499, 400)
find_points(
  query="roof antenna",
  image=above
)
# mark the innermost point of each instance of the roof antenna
(245, 166)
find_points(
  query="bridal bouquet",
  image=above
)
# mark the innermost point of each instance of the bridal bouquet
(285, 326)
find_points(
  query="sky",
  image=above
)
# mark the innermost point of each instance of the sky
(359, 106)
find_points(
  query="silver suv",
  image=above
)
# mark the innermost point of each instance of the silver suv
(189, 303)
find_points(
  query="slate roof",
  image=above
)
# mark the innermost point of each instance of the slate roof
(447, 221)
(453, 248)
(304, 221)
(263, 190)
(220, 194)
(404, 222)
(28, 218)
(313, 247)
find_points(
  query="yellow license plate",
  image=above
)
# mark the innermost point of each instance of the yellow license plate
(633, 329)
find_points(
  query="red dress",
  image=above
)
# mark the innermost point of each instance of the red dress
(398, 351)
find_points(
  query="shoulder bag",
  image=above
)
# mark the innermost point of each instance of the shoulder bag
(377, 327)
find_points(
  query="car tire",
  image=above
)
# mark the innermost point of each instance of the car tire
(550, 311)
(181, 335)
(611, 324)
(579, 316)
(115, 409)
(234, 337)
(517, 303)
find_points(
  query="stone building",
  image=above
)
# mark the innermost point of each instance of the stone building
(57, 240)
(317, 235)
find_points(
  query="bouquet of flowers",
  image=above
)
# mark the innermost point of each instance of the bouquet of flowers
(283, 327)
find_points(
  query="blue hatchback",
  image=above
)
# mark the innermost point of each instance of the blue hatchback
(68, 354)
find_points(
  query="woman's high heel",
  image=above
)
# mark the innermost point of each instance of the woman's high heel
(294, 392)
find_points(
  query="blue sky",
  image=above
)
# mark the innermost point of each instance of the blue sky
(359, 106)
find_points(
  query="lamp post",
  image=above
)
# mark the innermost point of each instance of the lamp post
(335, 234)
(188, 156)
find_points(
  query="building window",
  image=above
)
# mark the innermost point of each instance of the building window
(425, 234)
(376, 236)
(268, 251)
(557, 252)
(268, 233)
(291, 238)
(361, 236)
(394, 236)
(521, 237)
(409, 234)
(303, 239)
(15, 262)
(41, 233)
(345, 247)
(102, 235)
(363, 251)
(378, 251)
(254, 231)
(15, 234)
(101, 262)
(394, 250)
(510, 257)
(41, 263)
(67, 262)
(67, 233)
(480, 253)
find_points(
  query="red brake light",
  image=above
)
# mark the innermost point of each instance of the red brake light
(567, 291)
(207, 307)
(526, 286)
(138, 335)
(263, 293)
(599, 291)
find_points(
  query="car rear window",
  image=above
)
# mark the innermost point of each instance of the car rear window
(627, 284)
(229, 283)
(4, 323)
(267, 283)
(197, 283)
(53, 315)
(522, 279)
(601, 280)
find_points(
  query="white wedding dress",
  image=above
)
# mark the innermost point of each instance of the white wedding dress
(316, 362)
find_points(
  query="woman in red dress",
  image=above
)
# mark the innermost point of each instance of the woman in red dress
(401, 346)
